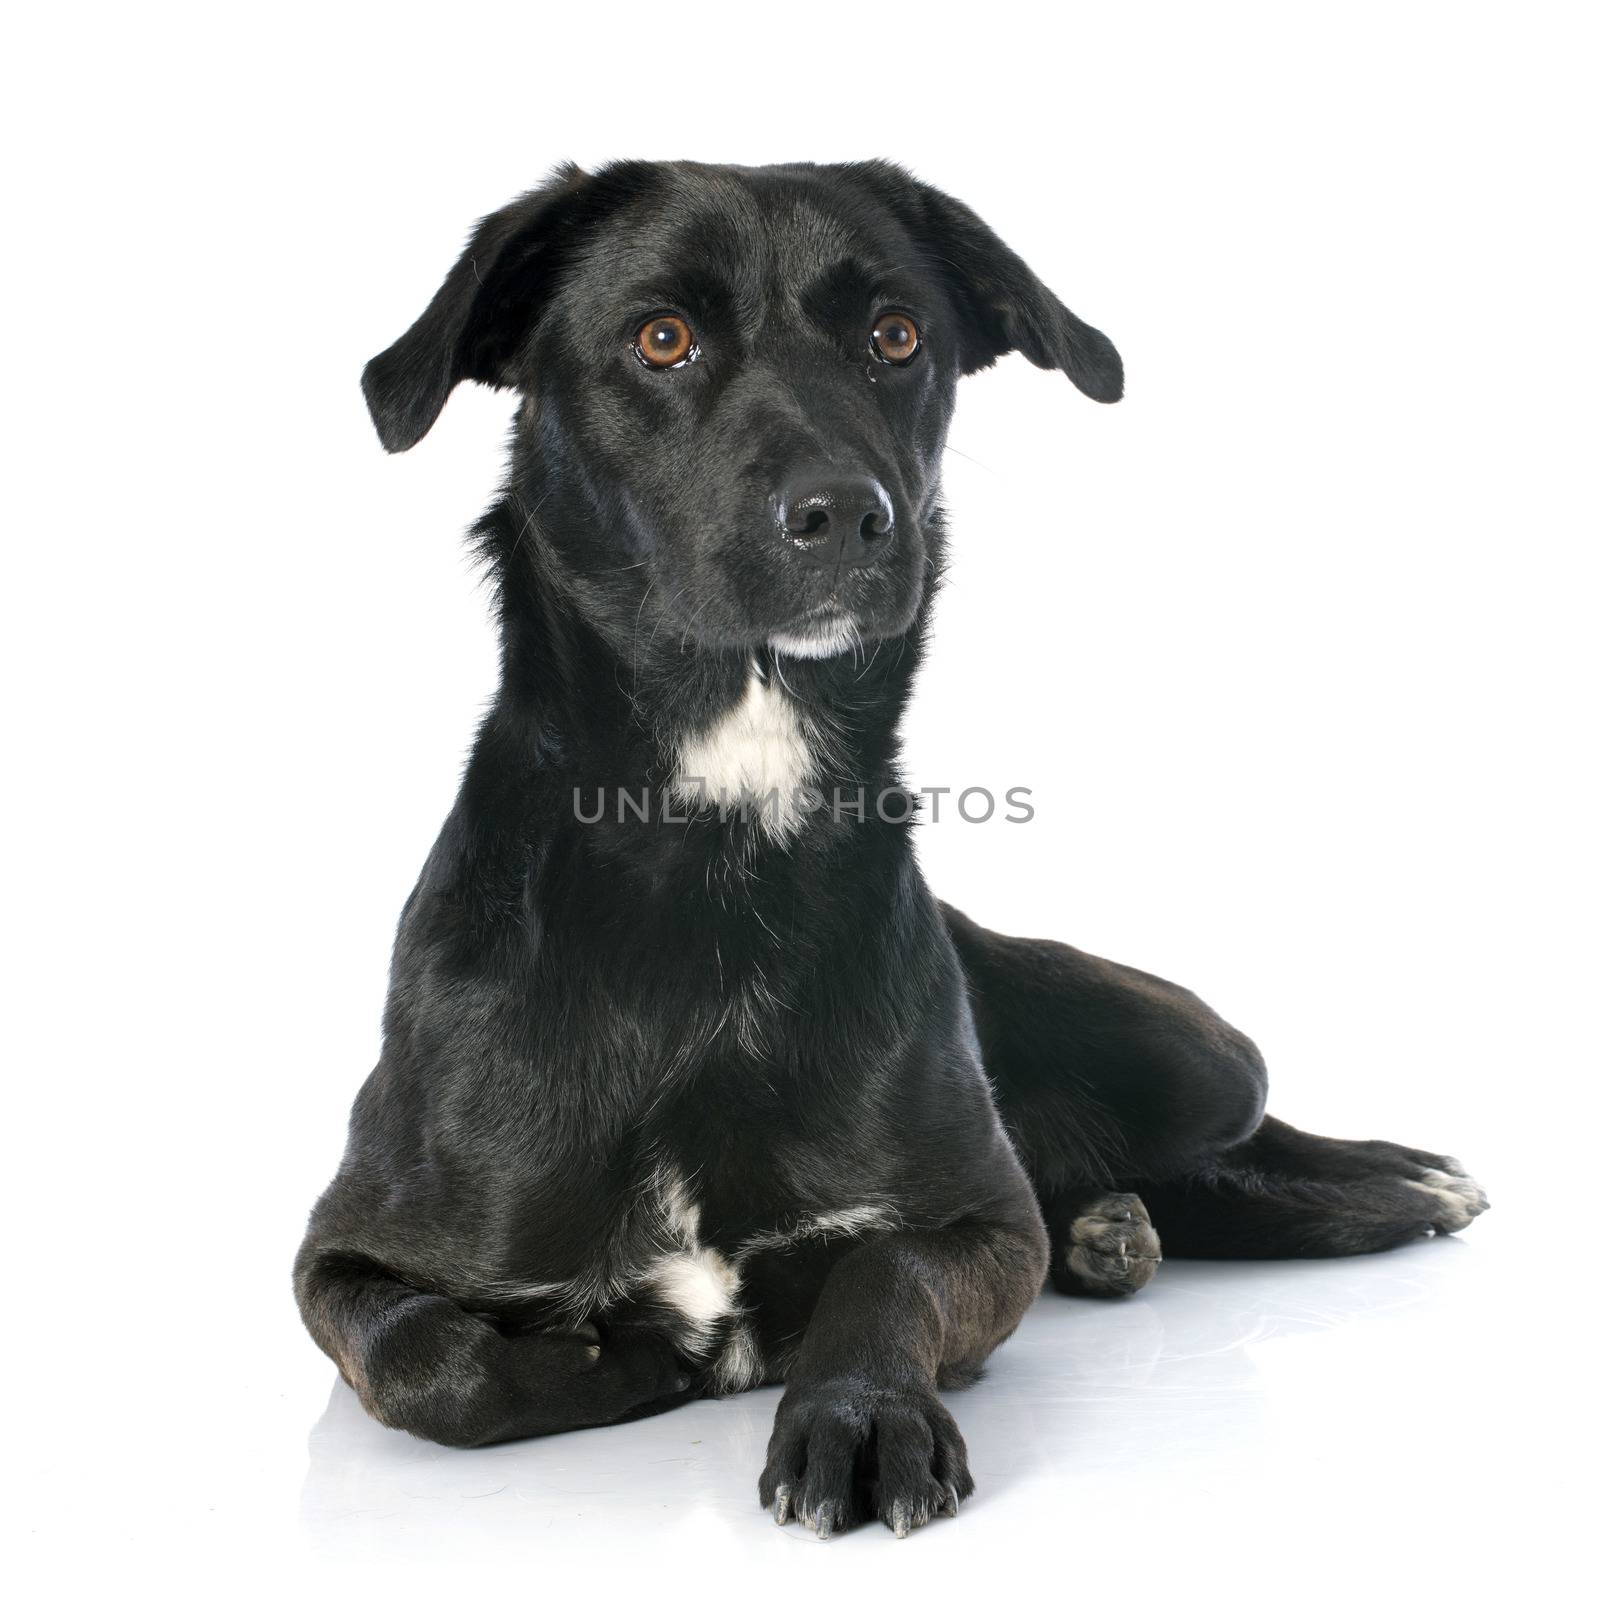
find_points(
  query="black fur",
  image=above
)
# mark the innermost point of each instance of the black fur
(670, 1106)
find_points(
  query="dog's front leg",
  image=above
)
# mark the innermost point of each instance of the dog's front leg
(421, 1362)
(860, 1430)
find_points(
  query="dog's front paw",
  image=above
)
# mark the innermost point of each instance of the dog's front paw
(1109, 1248)
(846, 1450)
(597, 1374)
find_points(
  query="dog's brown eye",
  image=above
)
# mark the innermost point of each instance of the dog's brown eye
(664, 342)
(895, 338)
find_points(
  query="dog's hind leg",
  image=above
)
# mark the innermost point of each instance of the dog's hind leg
(1287, 1193)
(421, 1362)
(1105, 1078)
(1139, 1115)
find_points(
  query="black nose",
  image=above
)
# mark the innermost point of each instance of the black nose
(835, 521)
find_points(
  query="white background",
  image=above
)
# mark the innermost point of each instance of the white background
(1295, 648)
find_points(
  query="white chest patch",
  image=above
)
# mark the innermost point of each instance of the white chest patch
(660, 1255)
(758, 756)
(698, 1284)
(702, 1286)
(695, 1280)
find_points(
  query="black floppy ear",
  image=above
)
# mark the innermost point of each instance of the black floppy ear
(1003, 305)
(477, 322)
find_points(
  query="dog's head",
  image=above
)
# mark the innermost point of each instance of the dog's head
(736, 386)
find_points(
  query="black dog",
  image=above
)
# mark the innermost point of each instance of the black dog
(689, 1083)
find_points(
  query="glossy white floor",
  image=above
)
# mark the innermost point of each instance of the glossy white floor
(1288, 1428)
(1406, 1424)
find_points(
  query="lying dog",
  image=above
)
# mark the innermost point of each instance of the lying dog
(703, 1089)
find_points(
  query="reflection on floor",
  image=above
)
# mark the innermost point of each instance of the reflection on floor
(1313, 1410)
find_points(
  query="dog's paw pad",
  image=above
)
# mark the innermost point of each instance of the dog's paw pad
(1110, 1248)
(1456, 1198)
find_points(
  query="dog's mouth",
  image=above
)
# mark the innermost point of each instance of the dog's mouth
(875, 605)
(796, 611)
(827, 630)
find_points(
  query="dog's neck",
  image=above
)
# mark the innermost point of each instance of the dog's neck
(561, 804)
(690, 724)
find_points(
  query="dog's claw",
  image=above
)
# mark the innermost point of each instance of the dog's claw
(782, 1504)
(825, 1522)
(902, 1519)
